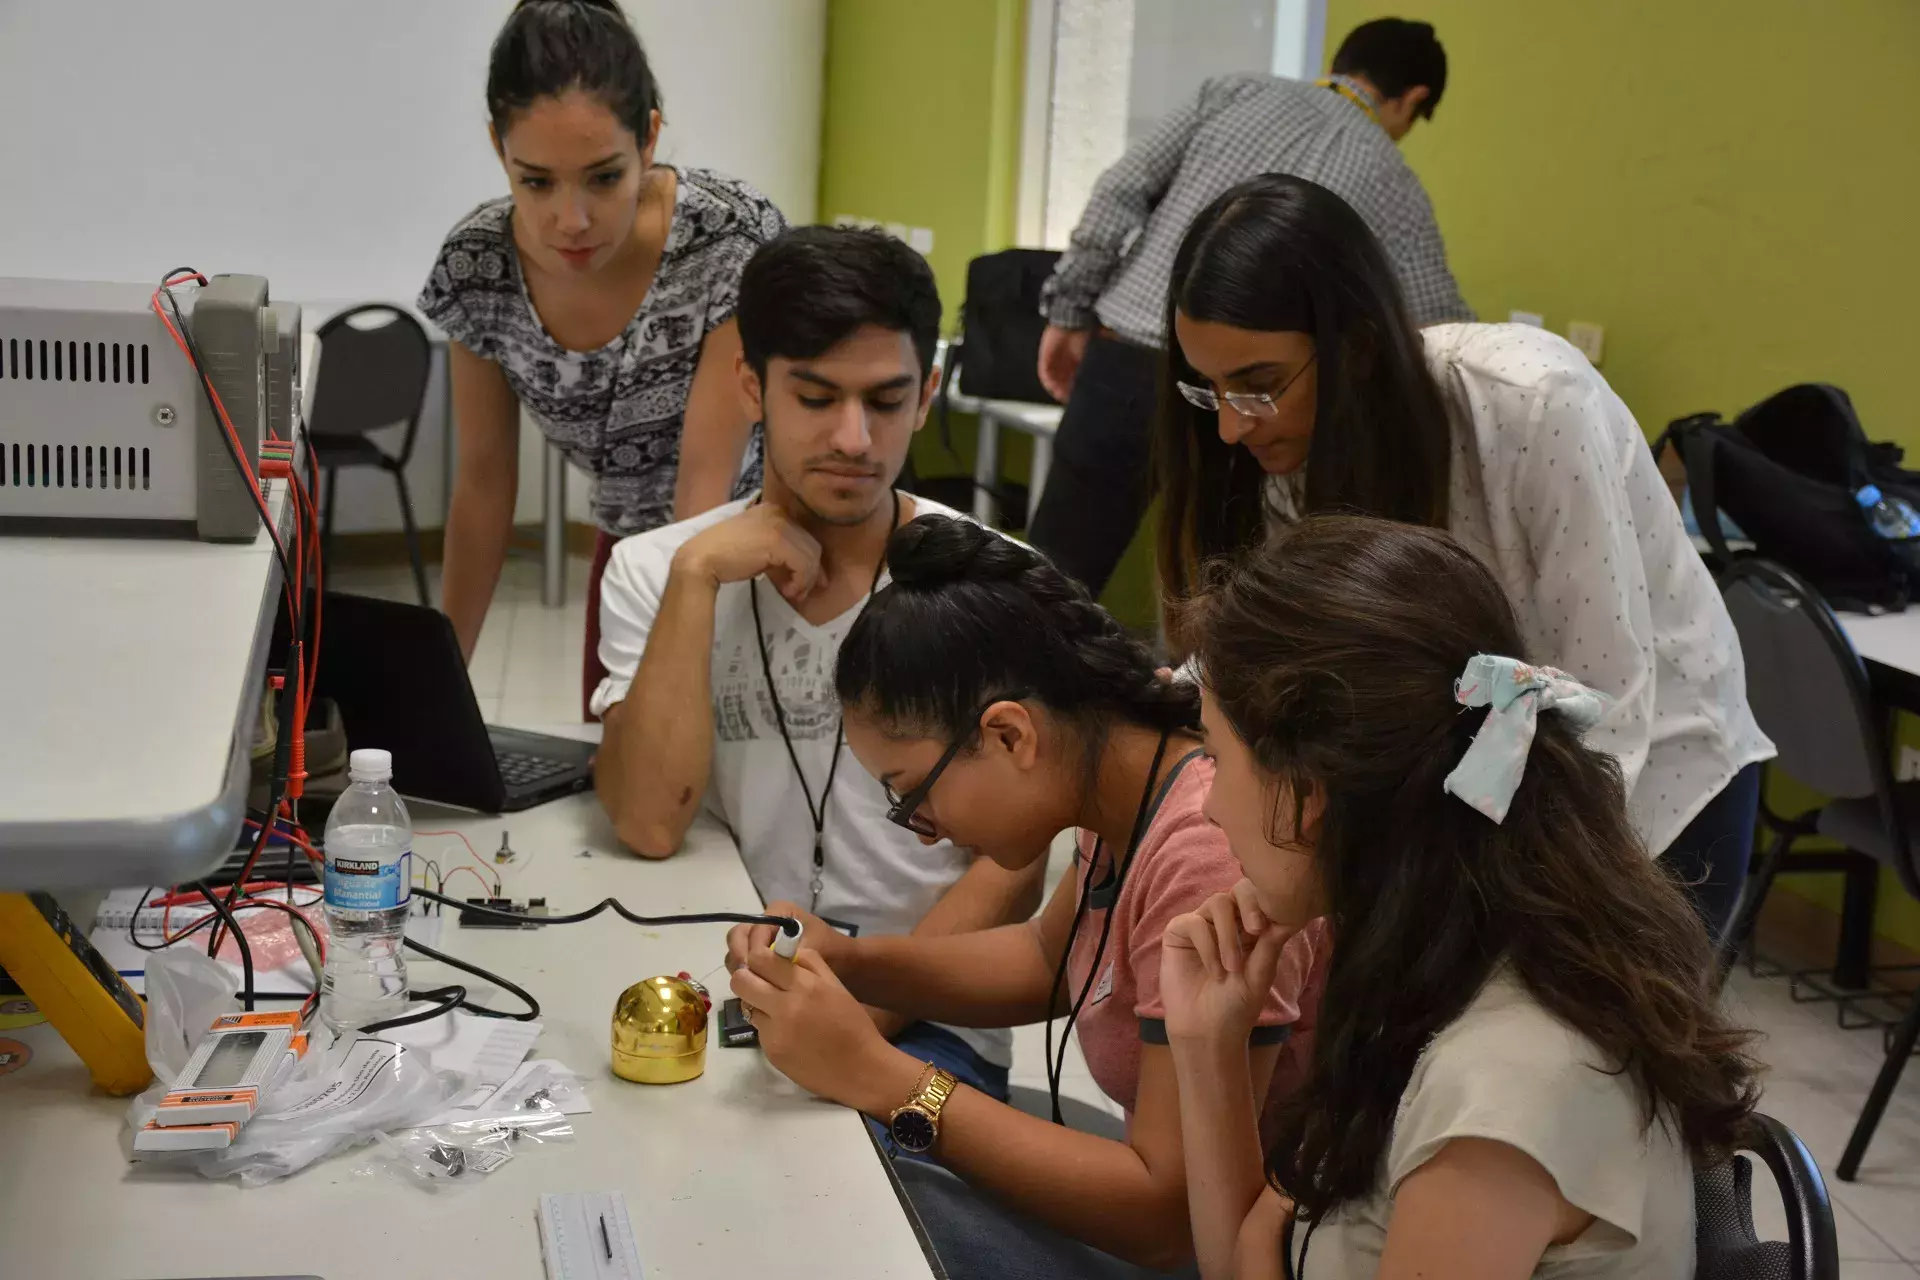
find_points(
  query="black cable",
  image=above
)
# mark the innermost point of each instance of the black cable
(246, 950)
(519, 993)
(1057, 1067)
(446, 1000)
(787, 924)
(133, 925)
(1054, 1065)
(209, 392)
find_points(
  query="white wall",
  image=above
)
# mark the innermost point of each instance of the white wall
(329, 144)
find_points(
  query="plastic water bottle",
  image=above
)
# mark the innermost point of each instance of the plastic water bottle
(1893, 518)
(369, 888)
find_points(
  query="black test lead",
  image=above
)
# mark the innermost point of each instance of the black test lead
(605, 1243)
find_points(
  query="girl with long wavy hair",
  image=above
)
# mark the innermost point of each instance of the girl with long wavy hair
(1519, 1056)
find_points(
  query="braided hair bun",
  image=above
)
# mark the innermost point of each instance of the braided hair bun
(933, 551)
(972, 616)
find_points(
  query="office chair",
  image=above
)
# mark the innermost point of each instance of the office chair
(1809, 692)
(1727, 1246)
(370, 378)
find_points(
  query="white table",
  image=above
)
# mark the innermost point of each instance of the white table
(1890, 639)
(737, 1173)
(132, 675)
(1041, 421)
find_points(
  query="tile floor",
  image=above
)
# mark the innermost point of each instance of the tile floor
(526, 671)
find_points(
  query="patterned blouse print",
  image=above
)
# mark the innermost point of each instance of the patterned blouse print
(616, 411)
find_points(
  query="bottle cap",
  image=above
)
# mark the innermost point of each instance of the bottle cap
(370, 763)
(1867, 495)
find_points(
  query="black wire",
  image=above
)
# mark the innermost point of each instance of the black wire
(519, 993)
(133, 925)
(788, 925)
(208, 392)
(1059, 979)
(1057, 1068)
(446, 1000)
(246, 950)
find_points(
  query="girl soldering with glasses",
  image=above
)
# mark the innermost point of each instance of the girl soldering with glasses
(1000, 706)
(1519, 1054)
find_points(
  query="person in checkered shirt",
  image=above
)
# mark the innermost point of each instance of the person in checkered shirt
(1106, 302)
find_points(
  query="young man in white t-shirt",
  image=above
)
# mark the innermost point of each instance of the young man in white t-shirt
(720, 633)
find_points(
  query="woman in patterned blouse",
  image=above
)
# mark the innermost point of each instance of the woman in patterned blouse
(598, 297)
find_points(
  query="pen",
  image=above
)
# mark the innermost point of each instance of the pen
(605, 1243)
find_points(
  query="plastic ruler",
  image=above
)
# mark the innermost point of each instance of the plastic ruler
(588, 1236)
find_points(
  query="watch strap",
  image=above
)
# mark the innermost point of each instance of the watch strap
(931, 1097)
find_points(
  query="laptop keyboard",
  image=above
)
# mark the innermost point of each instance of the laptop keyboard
(519, 769)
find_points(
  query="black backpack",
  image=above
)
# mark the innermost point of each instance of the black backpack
(1000, 326)
(998, 355)
(1786, 471)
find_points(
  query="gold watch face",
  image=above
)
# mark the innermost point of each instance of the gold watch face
(913, 1130)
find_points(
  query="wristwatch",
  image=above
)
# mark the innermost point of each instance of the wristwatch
(915, 1126)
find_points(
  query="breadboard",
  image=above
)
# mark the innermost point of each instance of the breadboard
(588, 1236)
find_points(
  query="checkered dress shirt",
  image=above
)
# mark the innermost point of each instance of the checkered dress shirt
(1116, 269)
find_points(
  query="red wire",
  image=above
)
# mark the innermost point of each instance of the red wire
(491, 890)
(213, 393)
(497, 880)
(306, 547)
(306, 502)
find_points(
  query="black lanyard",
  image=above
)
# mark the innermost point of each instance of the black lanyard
(818, 814)
(1055, 1066)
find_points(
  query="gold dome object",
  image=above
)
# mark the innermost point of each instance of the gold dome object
(660, 1031)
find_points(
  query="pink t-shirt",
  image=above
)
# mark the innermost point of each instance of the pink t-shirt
(1182, 861)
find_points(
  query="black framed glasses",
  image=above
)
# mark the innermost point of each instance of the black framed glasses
(1261, 404)
(904, 811)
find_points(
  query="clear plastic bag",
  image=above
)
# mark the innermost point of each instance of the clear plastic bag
(185, 992)
(464, 1152)
(339, 1096)
(362, 1086)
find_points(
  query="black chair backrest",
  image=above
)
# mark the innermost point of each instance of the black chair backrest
(1728, 1247)
(371, 377)
(1806, 685)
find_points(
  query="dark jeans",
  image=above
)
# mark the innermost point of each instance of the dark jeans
(953, 1055)
(1097, 487)
(1709, 858)
(980, 1238)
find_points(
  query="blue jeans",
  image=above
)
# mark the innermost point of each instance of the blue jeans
(979, 1238)
(951, 1054)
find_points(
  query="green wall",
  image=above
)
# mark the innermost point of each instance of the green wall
(922, 129)
(922, 123)
(1728, 187)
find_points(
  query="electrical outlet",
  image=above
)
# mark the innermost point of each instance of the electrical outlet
(1909, 764)
(1533, 318)
(1589, 338)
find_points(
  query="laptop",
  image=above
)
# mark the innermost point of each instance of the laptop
(396, 673)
